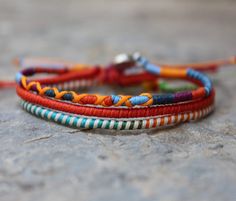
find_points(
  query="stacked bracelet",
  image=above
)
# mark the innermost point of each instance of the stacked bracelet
(52, 98)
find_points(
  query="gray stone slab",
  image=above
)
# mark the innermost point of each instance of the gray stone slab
(43, 161)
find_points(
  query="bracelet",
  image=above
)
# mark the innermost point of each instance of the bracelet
(52, 98)
(129, 124)
(145, 99)
(116, 112)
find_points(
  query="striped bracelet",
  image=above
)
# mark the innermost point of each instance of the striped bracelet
(116, 124)
(52, 98)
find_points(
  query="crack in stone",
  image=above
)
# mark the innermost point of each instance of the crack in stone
(38, 139)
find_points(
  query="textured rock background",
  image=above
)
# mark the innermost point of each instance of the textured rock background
(194, 161)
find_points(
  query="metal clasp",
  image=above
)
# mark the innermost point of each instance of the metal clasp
(127, 58)
(123, 58)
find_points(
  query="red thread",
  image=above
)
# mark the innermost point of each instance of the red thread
(115, 112)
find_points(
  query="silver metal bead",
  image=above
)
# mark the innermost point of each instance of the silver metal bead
(123, 58)
(136, 56)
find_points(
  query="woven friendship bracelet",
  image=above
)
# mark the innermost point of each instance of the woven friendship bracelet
(115, 112)
(145, 99)
(52, 98)
(108, 123)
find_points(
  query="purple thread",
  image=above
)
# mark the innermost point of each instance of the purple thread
(183, 96)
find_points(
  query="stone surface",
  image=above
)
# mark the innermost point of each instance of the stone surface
(44, 161)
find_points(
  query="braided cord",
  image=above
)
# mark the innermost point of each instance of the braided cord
(116, 112)
(144, 99)
(132, 124)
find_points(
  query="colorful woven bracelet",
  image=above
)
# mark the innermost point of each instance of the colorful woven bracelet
(50, 98)
(108, 123)
(115, 112)
(145, 99)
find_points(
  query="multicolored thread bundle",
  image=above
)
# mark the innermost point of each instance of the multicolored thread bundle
(54, 98)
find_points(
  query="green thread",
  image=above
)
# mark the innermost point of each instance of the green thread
(165, 87)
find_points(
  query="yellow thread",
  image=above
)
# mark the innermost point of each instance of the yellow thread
(100, 99)
(150, 101)
(79, 67)
(38, 86)
(78, 97)
(24, 82)
(30, 85)
(43, 90)
(128, 103)
(122, 100)
(173, 72)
